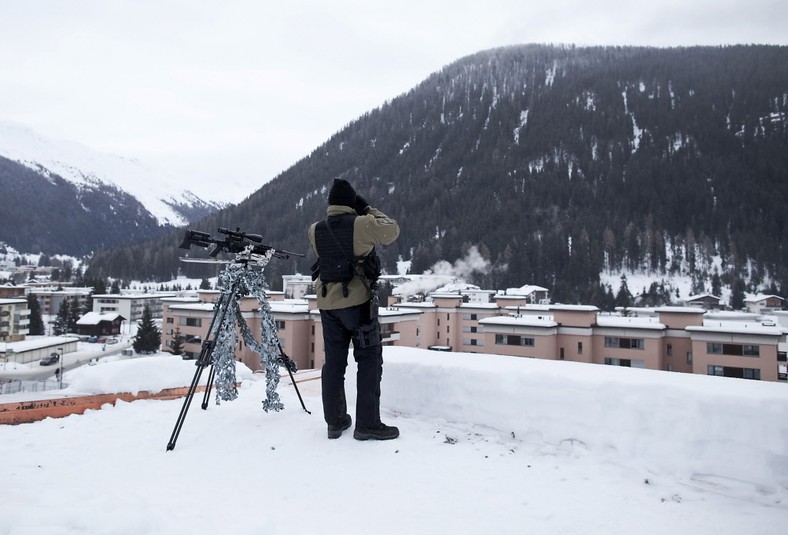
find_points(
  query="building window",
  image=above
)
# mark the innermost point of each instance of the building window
(280, 325)
(742, 350)
(670, 350)
(627, 363)
(580, 348)
(169, 320)
(624, 343)
(513, 340)
(729, 371)
(191, 322)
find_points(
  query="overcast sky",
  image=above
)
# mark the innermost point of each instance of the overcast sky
(249, 87)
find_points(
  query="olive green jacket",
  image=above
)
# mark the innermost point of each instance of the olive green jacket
(374, 228)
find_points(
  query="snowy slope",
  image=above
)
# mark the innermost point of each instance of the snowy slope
(157, 191)
(489, 444)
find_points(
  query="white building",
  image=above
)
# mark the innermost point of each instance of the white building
(129, 306)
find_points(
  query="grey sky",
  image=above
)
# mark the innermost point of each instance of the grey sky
(249, 87)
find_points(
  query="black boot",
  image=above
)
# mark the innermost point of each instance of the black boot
(335, 430)
(379, 432)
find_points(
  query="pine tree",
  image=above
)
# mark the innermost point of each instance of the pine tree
(737, 295)
(74, 313)
(61, 321)
(177, 342)
(623, 297)
(148, 339)
(36, 322)
(205, 284)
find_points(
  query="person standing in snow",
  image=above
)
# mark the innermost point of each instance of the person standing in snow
(345, 282)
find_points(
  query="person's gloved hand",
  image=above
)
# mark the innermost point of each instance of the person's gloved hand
(361, 206)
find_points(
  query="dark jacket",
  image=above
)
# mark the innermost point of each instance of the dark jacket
(374, 228)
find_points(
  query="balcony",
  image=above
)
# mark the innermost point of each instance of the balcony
(392, 336)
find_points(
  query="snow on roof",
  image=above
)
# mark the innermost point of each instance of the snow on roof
(291, 306)
(417, 304)
(629, 322)
(738, 327)
(479, 305)
(576, 308)
(523, 291)
(762, 297)
(38, 342)
(201, 307)
(398, 311)
(94, 318)
(702, 296)
(138, 296)
(181, 299)
(527, 321)
(681, 310)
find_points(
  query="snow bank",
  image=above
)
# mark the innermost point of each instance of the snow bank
(686, 425)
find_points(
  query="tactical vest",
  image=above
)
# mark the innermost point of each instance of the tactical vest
(336, 261)
(334, 246)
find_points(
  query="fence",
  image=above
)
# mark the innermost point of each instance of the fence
(15, 387)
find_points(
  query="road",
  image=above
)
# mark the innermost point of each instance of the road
(75, 359)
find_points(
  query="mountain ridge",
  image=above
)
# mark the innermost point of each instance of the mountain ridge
(88, 178)
(559, 163)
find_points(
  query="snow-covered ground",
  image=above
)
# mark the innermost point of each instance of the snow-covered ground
(489, 444)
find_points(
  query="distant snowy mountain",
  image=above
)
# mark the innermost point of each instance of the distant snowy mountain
(165, 197)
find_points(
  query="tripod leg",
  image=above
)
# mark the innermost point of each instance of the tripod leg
(285, 360)
(186, 402)
(208, 388)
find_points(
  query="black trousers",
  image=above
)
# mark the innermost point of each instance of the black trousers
(340, 326)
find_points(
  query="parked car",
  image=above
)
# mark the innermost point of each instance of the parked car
(51, 359)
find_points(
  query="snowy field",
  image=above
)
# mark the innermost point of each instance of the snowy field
(489, 444)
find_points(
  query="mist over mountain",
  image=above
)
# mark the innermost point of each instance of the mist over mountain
(557, 163)
(62, 197)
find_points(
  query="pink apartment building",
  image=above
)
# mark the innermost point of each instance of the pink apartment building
(679, 339)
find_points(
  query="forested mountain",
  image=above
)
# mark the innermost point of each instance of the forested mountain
(557, 163)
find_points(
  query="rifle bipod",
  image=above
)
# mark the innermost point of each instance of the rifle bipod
(206, 359)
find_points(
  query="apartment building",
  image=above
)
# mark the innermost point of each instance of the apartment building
(678, 339)
(50, 299)
(672, 339)
(191, 318)
(130, 306)
(14, 319)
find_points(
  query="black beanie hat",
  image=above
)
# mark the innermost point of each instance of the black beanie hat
(342, 193)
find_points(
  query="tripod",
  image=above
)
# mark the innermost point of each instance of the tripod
(218, 349)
